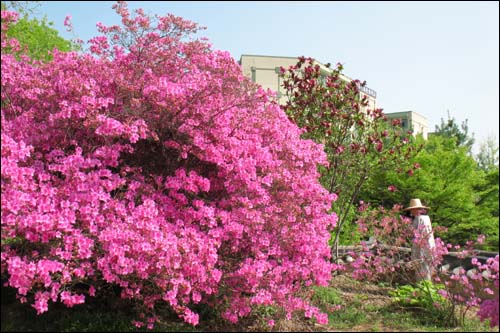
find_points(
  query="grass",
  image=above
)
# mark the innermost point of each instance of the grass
(368, 307)
(364, 307)
(357, 316)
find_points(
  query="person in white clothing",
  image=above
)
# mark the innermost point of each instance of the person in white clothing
(424, 243)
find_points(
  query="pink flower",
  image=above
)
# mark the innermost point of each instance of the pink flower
(67, 23)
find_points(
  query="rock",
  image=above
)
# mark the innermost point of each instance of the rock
(471, 272)
(458, 270)
(486, 274)
(444, 269)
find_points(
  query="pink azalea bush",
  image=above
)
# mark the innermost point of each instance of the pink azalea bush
(152, 164)
(489, 308)
(472, 289)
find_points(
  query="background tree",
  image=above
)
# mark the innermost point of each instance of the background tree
(460, 133)
(487, 158)
(359, 142)
(22, 7)
(488, 187)
(461, 198)
(37, 37)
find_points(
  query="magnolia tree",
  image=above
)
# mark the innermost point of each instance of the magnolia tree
(359, 141)
(152, 164)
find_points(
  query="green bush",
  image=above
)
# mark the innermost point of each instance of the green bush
(424, 297)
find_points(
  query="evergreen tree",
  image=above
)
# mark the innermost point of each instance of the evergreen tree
(460, 133)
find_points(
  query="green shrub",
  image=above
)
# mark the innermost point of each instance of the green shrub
(424, 297)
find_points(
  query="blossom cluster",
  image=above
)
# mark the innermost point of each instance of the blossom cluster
(489, 307)
(156, 166)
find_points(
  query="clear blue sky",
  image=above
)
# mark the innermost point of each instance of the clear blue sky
(428, 57)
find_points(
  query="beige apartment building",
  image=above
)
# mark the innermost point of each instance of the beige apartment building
(411, 120)
(264, 71)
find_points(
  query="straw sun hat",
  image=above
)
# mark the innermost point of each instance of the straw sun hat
(414, 204)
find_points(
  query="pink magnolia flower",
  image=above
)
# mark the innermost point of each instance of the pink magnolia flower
(392, 188)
